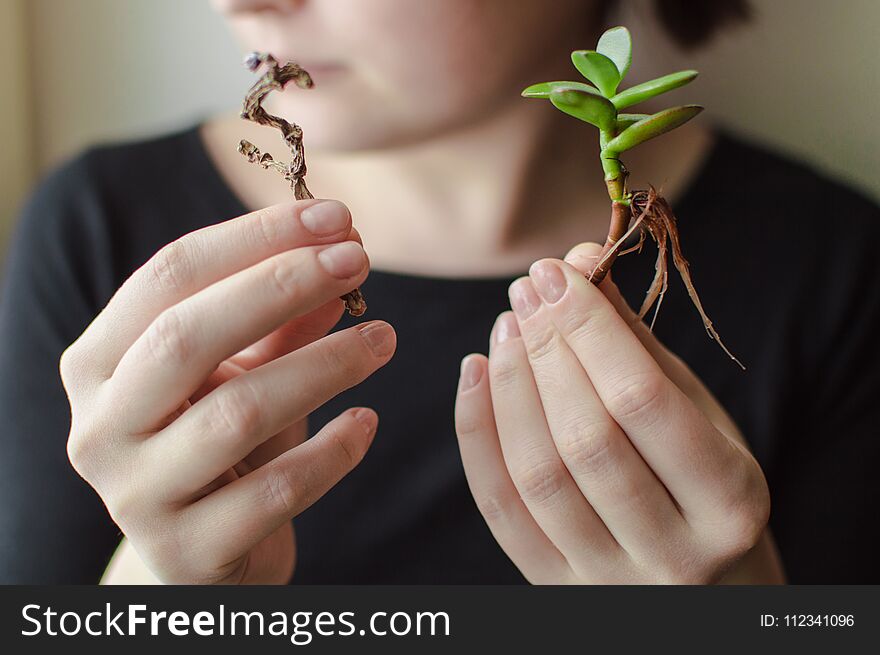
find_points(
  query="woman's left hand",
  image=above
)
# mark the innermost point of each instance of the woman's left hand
(595, 454)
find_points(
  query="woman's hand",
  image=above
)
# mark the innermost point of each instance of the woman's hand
(595, 455)
(190, 391)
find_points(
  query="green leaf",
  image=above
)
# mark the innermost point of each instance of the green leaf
(625, 120)
(589, 106)
(543, 89)
(616, 44)
(653, 125)
(647, 90)
(597, 68)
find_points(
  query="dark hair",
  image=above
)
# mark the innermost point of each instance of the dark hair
(694, 22)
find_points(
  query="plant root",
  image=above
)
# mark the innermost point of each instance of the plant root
(275, 78)
(655, 218)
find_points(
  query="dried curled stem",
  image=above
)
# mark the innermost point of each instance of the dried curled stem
(655, 218)
(274, 79)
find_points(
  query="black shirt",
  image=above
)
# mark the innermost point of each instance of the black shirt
(784, 260)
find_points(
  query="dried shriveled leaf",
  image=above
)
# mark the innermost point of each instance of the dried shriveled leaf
(647, 90)
(654, 125)
(589, 106)
(616, 44)
(597, 68)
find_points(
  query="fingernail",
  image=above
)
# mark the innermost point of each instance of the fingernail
(325, 217)
(471, 372)
(506, 328)
(549, 280)
(366, 418)
(523, 298)
(343, 260)
(379, 337)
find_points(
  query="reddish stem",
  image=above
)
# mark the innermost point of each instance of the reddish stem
(620, 217)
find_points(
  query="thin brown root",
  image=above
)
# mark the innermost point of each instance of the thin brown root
(660, 223)
(635, 248)
(658, 284)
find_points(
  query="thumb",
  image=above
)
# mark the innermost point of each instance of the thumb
(584, 257)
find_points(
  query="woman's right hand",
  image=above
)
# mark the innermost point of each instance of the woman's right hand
(189, 392)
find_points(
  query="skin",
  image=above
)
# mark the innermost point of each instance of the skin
(630, 472)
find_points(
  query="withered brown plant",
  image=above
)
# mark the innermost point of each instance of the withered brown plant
(274, 79)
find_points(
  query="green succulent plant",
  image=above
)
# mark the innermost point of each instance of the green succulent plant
(600, 103)
(645, 213)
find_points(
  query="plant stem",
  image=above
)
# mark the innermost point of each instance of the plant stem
(620, 218)
(615, 181)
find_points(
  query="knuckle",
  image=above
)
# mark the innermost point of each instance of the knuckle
(86, 447)
(747, 516)
(345, 451)
(171, 268)
(168, 339)
(587, 446)
(345, 363)
(504, 372)
(123, 504)
(491, 506)
(237, 411)
(543, 345)
(281, 491)
(469, 424)
(582, 323)
(265, 228)
(286, 275)
(80, 452)
(69, 364)
(742, 515)
(539, 483)
(637, 397)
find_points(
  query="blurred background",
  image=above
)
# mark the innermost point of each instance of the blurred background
(801, 77)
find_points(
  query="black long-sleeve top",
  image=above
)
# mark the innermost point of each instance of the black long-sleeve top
(785, 262)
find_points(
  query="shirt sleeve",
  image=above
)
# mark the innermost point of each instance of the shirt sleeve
(53, 526)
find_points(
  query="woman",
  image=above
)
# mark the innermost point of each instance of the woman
(587, 451)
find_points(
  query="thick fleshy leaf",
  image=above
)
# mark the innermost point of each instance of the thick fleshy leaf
(653, 125)
(616, 44)
(543, 89)
(625, 120)
(589, 106)
(647, 90)
(597, 68)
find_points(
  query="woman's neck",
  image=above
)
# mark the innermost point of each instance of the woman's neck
(484, 200)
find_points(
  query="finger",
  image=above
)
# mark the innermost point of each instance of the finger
(494, 492)
(230, 422)
(240, 515)
(294, 334)
(201, 258)
(583, 257)
(540, 477)
(690, 457)
(610, 473)
(181, 348)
